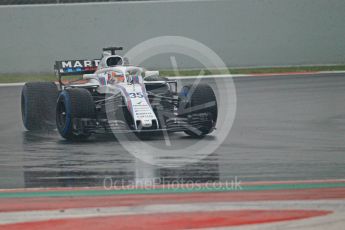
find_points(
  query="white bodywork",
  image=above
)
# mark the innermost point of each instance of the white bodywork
(127, 80)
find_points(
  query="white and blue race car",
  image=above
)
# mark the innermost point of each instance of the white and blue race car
(116, 97)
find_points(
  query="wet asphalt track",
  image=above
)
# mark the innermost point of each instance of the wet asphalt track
(286, 128)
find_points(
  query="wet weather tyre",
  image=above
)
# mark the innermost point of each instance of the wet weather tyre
(38, 101)
(74, 103)
(197, 100)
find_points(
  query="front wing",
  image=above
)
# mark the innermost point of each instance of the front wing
(175, 124)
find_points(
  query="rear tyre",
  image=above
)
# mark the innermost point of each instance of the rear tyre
(38, 101)
(74, 103)
(199, 100)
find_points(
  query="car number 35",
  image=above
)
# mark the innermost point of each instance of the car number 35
(136, 95)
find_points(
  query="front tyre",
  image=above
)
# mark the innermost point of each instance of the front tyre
(199, 103)
(72, 104)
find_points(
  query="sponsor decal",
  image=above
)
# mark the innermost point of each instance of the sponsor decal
(79, 63)
(77, 66)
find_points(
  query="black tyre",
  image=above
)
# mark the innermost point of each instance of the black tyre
(74, 103)
(196, 100)
(38, 101)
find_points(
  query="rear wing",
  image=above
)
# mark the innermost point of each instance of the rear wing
(79, 67)
(75, 67)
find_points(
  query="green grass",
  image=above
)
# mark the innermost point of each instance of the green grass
(258, 70)
(13, 78)
(168, 190)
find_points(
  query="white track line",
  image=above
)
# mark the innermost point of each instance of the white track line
(12, 84)
(256, 75)
(220, 76)
(99, 3)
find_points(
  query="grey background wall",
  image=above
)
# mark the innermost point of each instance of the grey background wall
(241, 32)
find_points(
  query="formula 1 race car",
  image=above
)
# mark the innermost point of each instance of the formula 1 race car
(116, 97)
